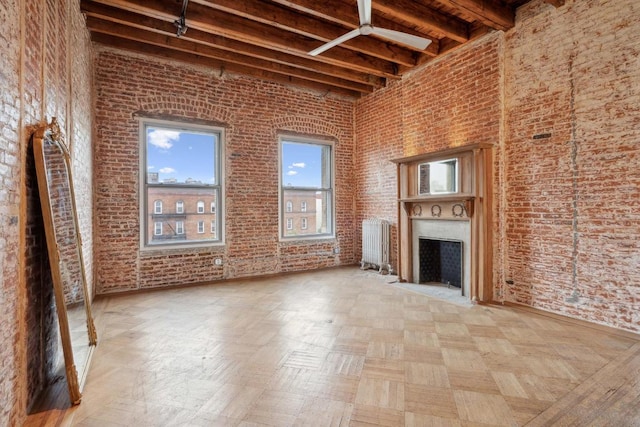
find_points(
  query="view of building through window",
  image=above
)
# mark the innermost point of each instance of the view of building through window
(306, 188)
(182, 177)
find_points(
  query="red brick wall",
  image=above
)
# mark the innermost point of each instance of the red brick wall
(45, 72)
(11, 297)
(573, 199)
(253, 113)
(566, 217)
(450, 102)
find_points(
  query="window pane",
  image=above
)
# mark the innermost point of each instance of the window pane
(317, 213)
(306, 191)
(306, 165)
(177, 156)
(178, 226)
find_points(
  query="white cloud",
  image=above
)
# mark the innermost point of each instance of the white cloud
(151, 168)
(163, 138)
(299, 165)
(167, 170)
(290, 173)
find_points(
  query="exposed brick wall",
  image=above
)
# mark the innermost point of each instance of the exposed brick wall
(11, 385)
(379, 138)
(37, 41)
(253, 113)
(566, 217)
(451, 102)
(574, 198)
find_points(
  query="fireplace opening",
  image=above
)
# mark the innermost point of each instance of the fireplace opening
(441, 261)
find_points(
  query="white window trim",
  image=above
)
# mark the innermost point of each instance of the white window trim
(156, 228)
(179, 207)
(200, 227)
(213, 207)
(281, 210)
(143, 203)
(289, 223)
(303, 206)
(200, 207)
(180, 229)
(157, 207)
(303, 223)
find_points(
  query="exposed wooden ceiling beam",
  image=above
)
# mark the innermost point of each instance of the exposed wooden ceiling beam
(489, 12)
(124, 32)
(135, 20)
(235, 27)
(347, 14)
(424, 17)
(223, 66)
(289, 20)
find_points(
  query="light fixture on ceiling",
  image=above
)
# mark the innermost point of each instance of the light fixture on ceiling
(181, 22)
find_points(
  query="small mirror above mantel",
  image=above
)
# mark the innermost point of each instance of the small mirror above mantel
(459, 180)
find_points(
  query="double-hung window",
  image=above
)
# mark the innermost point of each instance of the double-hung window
(181, 165)
(306, 180)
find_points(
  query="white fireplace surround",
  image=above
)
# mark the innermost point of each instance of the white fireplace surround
(444, 230)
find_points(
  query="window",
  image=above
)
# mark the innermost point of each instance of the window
(182, 164)
(306, 180)
(213, 227)
(213, 207)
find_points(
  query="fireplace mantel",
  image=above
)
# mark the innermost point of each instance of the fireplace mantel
(471, 202)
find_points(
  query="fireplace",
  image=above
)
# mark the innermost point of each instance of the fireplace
(440, 262)
(446, 197)
(430, 236)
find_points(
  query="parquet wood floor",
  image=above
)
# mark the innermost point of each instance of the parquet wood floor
(343, 347)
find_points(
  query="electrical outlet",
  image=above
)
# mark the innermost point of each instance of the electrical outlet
(336, 250)
(218, 261)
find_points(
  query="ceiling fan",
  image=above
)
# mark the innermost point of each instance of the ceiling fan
(365, 29)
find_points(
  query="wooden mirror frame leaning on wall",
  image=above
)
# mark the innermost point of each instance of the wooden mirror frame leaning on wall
(64, 247)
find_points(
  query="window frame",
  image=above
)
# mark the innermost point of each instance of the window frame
(180, 227)
(180, 207)
(330, 189)
(218, 189)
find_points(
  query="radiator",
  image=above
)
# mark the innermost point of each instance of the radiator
(376, 239)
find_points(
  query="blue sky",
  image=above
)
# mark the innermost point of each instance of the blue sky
(301, 164)
(181, 155)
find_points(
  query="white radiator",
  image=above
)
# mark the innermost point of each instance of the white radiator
(376, 244)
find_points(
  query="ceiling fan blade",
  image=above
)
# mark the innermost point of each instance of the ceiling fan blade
(403, 38)
(364, 11)
(351, 34)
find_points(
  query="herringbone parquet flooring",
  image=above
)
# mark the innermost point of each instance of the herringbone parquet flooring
(343, 347)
